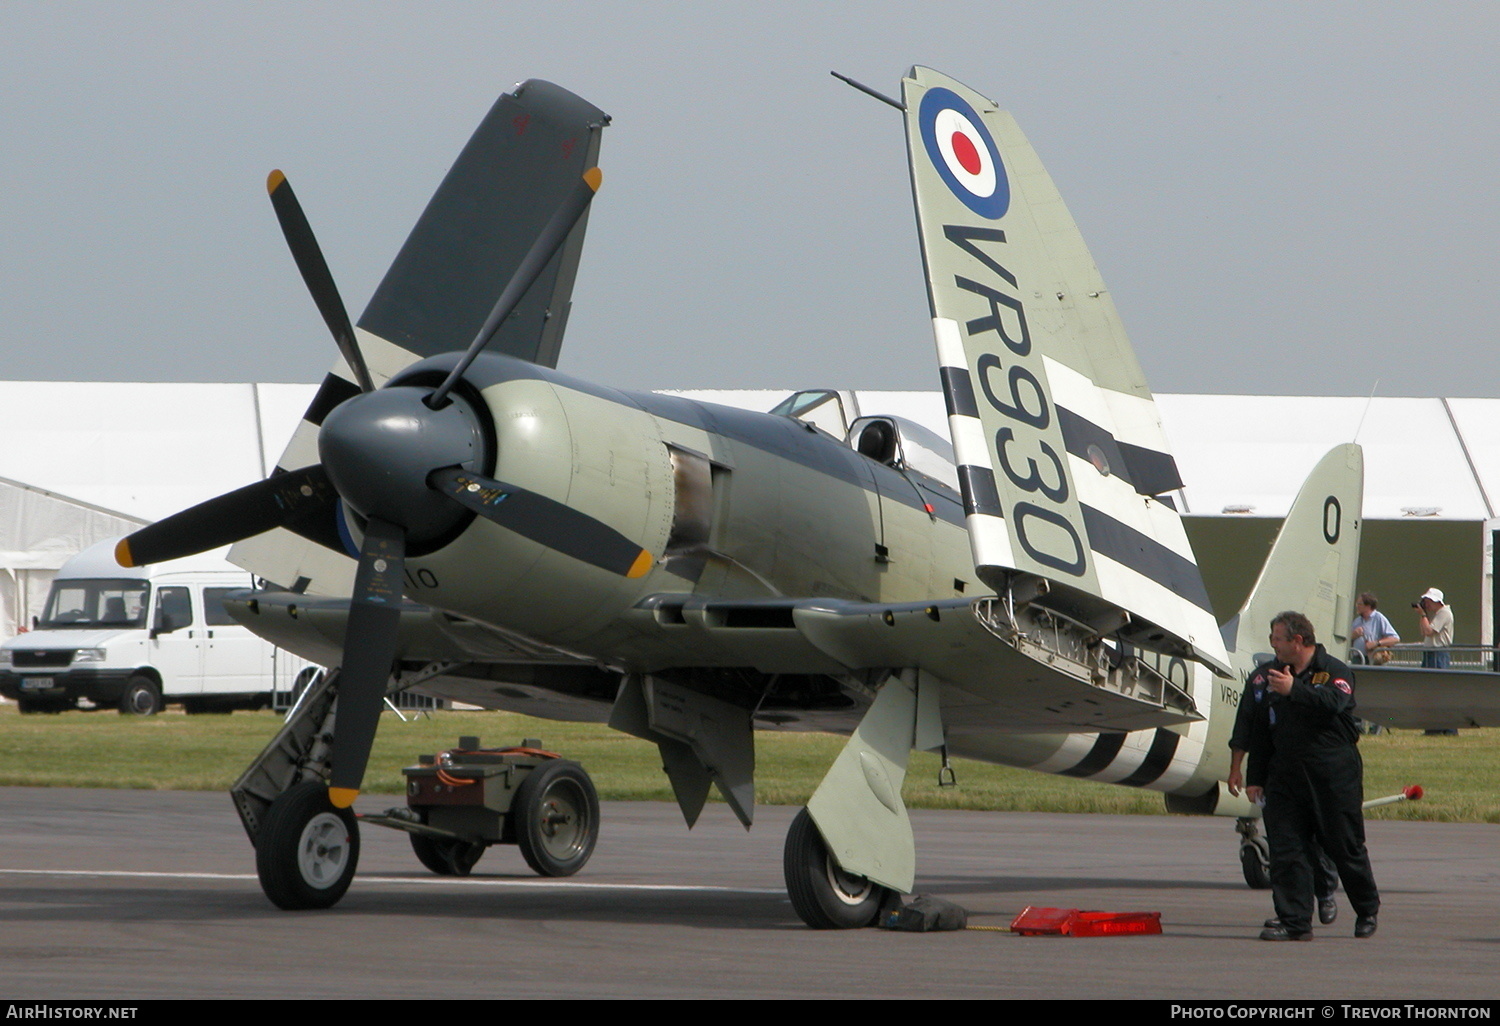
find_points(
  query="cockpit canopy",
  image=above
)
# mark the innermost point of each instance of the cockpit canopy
(823, 408)
(905, 444)
(895, 441)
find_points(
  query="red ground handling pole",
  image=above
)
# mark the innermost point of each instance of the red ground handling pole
(1409, 794)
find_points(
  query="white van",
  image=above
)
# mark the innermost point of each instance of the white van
(135, 638)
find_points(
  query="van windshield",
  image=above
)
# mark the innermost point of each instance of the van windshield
(82, 603)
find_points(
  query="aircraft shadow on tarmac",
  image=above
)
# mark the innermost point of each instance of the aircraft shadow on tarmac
(519, 898)
(241, 902)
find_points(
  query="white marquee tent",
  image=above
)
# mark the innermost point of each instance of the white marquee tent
(82, 461)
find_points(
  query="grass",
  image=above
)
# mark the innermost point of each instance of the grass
(177, 752)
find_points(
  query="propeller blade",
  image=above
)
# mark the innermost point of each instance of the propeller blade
(543, 520)
(547, 243)
(309, 257)
(242, 513)
(369, 651)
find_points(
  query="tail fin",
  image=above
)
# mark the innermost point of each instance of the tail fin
(1062, 456)
(1311, 567)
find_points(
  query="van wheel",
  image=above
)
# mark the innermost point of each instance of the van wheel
(141, 698)
(206, 707)
(41, 705)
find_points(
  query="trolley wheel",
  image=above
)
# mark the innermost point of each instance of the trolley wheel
(556, 818)
(823, 895)
(445, 857)
(307, 849)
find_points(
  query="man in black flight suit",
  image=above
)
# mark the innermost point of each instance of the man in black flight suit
(1325, 873)
(1305, 764)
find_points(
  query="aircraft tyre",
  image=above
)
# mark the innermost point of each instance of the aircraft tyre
(823, 895)
(1255, 863)
(141, 698)
(556, 818)
(444, 857)
(307, 849)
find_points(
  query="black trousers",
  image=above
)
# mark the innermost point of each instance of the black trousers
(1313, 800)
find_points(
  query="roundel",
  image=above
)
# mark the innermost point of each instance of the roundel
(965, 156)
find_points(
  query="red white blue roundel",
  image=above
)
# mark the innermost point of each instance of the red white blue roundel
(965, 156)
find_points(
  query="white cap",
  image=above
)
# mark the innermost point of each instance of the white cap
(1431, 593)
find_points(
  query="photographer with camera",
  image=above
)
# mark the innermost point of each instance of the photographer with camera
(1436, 624)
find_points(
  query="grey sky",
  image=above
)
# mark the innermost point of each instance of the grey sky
(1284, 198)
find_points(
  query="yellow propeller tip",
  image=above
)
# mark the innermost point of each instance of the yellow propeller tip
(593, 176)
(640, 566)
(274, 180)
(122, 553)
(342, 797)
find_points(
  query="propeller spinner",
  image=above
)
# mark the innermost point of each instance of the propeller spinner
(411, 462)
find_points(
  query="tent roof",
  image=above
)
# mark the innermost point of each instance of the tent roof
(144, 449)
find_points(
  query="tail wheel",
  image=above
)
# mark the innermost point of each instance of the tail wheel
(556, 818)
(1255, 863)
(307, 849)
(823, 895)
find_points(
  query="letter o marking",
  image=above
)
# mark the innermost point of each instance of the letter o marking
(1333, 516)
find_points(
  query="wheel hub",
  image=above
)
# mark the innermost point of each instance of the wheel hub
(323, 851)
(560, 822)
(849, 889)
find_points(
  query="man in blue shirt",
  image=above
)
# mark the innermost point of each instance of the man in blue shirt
(1372, 631)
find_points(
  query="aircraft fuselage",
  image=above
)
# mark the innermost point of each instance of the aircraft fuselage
(734, 504)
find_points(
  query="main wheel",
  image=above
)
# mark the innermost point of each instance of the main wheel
(445, 857)
(1255, 863)
(823, 895)
(141, 698)
(556, 818)
(307, 849)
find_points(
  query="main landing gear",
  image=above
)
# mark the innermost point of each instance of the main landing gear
(823, 895)
(850, 854)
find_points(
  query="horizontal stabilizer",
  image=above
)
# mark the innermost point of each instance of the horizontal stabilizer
(1062, 459)
(1406, 696)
